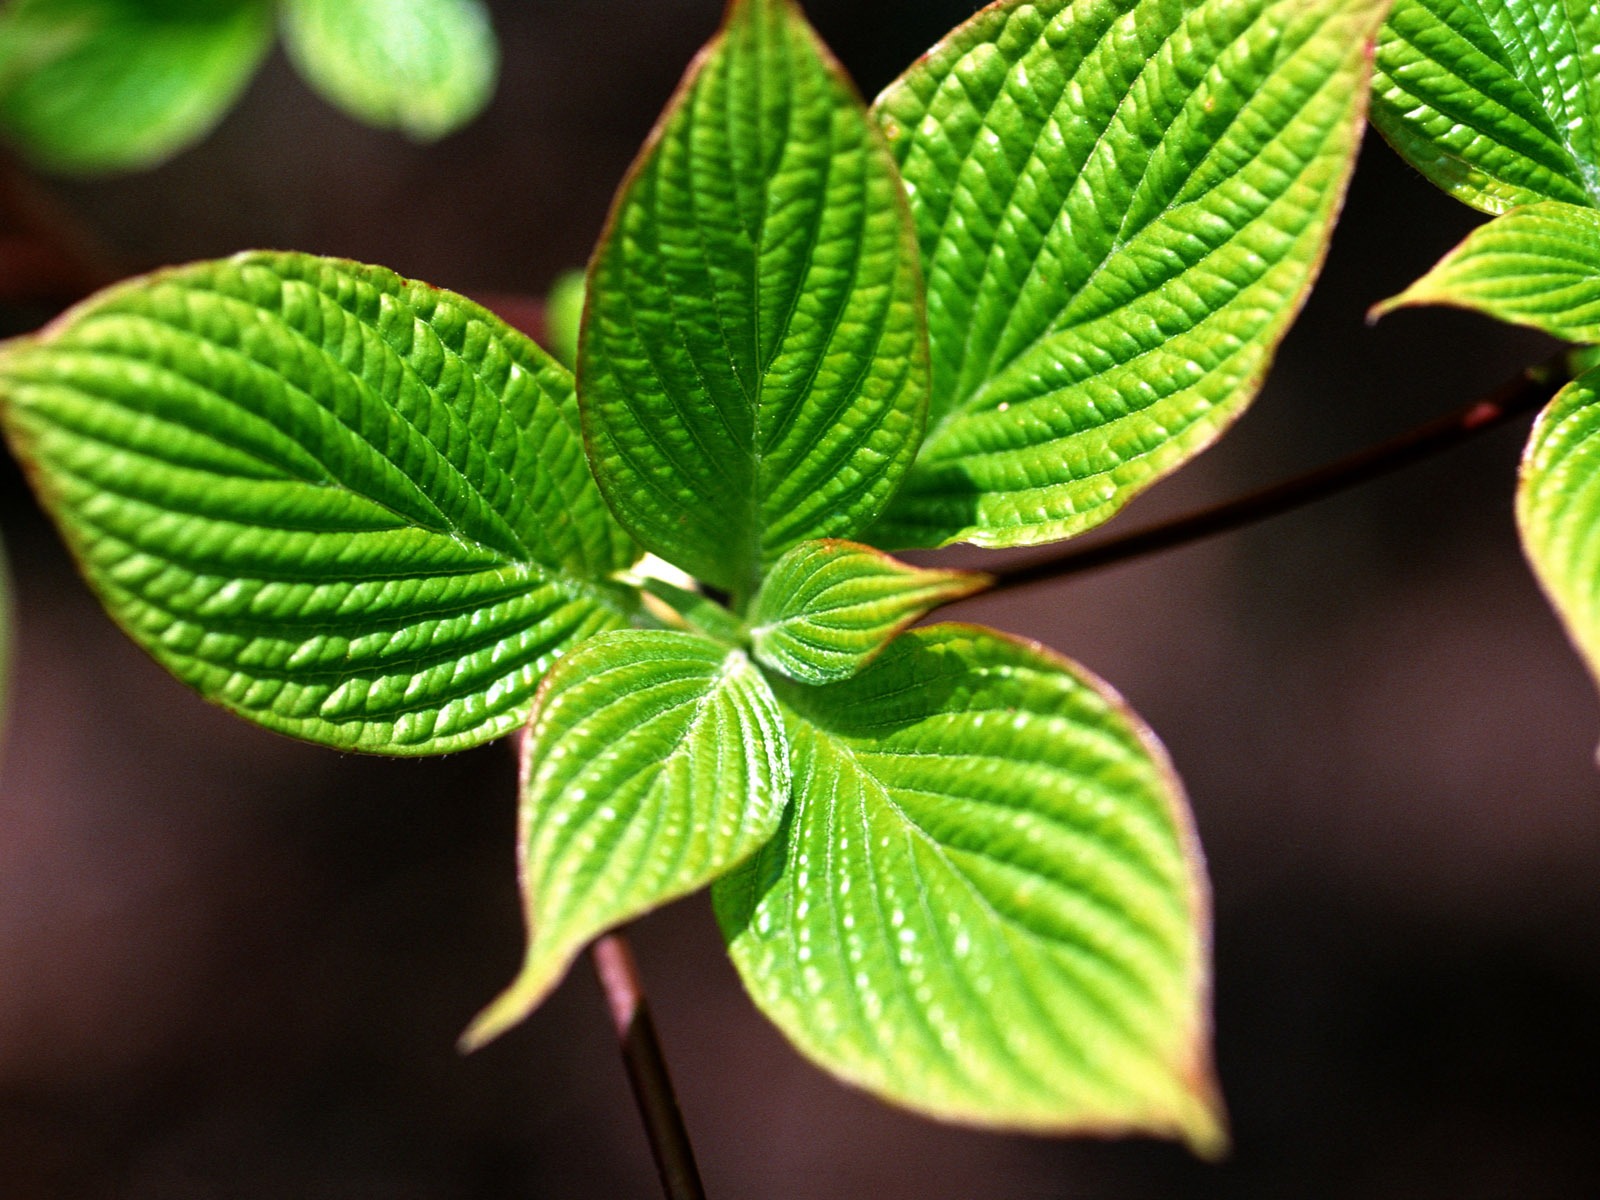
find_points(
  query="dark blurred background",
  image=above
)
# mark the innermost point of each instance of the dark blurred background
(235, 966)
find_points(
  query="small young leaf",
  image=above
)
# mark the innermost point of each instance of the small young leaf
(1558, 510)
(350, 507)
(1537, 266)
(691, 610)
(1121, 206)
(563, 315)
(425, 67)
(656, 761)
(828, 607)
(753, 368)
(1496, 102)
(985, 902)
(111, 85)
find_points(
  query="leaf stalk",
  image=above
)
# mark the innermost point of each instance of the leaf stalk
(1524, 393)
(647, 1069)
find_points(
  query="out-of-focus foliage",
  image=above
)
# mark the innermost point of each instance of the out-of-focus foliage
(91, 86)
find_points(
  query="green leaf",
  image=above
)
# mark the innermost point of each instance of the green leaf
(753, 367)
(1121, 205)
(563, 315)
(1558, 510)
(829, 607)
(656, 761)
(425, 67)
(1496, 101)
(348, 506)
(985, 902)
(109, 85)
(1537, 266)
(687, 609)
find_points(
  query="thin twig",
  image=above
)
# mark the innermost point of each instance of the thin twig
(1523, 394)
(647, 1069)
(46, 255)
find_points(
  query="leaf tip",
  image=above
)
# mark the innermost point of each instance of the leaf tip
(1380, 310)
(514, 1005)
(1204, 1126)
(1207, 1133)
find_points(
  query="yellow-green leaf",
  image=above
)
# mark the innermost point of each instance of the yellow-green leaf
(985, 902)
(348, 506)
(111, 85)
(424, 67)
(1537, 266)
(655, 762)
(1496, 101)
(1121, 205)
(1558, 510)
(828, 607)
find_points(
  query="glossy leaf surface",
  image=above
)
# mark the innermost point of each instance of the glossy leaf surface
(1558, 510)
(985, 902)
(421, 66)
(1537, 266)
(828, 607)
(753, 367)
(1120, 205)
(1496, 101)
(106, 85)
(350, 507)
(656, 761)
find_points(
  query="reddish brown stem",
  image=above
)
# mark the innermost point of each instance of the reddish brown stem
(46, 257)
(647, 1069)
(1523, 394)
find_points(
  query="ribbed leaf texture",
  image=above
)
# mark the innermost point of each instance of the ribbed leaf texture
(1120, 205)
(656, 761)
(1496, 101)
(828, 607)
(350, 507)
(421, 66)
(106, 85)
(753, 362)
(985, 902)
(1538, 265)
(1558, 510)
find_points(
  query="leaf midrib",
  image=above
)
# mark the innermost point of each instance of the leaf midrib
(1541, 121)
(1004, 925)
(468, 368)
(1126, 234)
